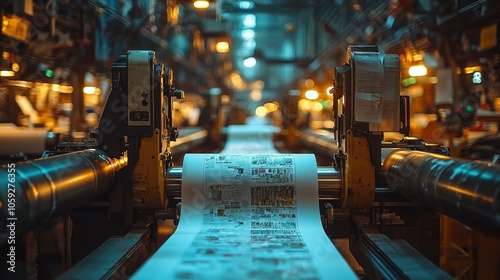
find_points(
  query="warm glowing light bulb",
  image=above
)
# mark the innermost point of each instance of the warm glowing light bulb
(56, 87)
(417, 70)
(271, 107)
(256, 95)
(261, 111)
(304, 105)
(312, 94)
(225, 99)
(7, 73)
(89, 90)
(15, 67)
(236, 80)
(222, 47)
(201, 4)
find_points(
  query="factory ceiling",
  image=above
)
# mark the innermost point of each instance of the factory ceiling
(275, 45)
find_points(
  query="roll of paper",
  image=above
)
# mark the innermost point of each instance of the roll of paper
(250, 139)
(252, 216)
(15, 140)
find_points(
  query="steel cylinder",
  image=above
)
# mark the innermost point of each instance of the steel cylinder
(329, 183)
(173, 183)
(465, 190)
(33, 192)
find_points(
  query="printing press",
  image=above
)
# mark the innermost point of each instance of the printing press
(105, 202)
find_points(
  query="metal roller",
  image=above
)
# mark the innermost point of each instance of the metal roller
(43, 188)
(329, 183)
(173, 183)
(465, 190)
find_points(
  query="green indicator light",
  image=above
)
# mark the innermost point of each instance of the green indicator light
(49, 73)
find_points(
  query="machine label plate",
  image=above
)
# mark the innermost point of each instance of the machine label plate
(138, 116)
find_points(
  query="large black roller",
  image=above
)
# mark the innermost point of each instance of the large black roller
(32, 192)
(465, 190)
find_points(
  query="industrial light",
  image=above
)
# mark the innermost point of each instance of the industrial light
(245, 5)
(309, 83)
(304, 105)
(65, 89)
(256, 95)
(271, 107)
(89, 90)
(92, 90)
(249, 20)
(222, 47)
(261, 111)
(214, 91)
(250, 62)
(312, 94)
(225, 99)
(236, 80)
(55, 87)
(49, 73)
(15, 67)
(201, 4)
(417, 70)
(472, 69)
(248, 34)
(19, 83)
(7, 73)
(477, 78)
(408, 82)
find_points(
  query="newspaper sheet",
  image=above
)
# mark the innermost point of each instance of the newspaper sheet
(252, 216)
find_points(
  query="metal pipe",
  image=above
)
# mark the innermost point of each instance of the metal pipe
(37, 190)
(465, 190)
(329, 183)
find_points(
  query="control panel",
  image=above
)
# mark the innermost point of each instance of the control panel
(140, 87)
